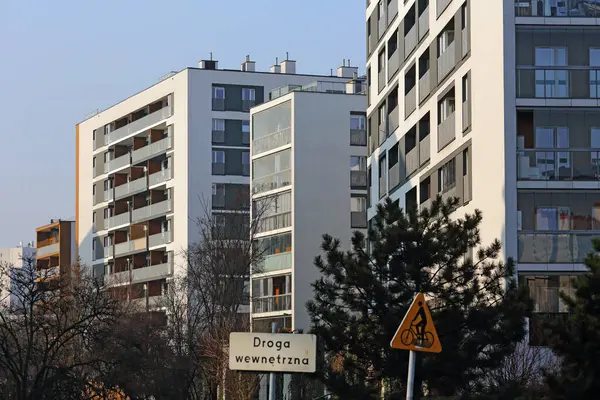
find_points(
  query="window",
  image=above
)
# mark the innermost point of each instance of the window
(358, 204)
(218, 92)
(358, 163)
(552, 218)
(248, 94)
(595, 144)
(382, 167)
(551, 82)
(94, 135)
(246, 158)
(464, 16)
(107, 185)
(218, 124)
(551, 162)
(94, 217)
(218, 189)
(446, 108)
(245, 126)
(94, 190)
(218, 157)
(465, 88)
(595, 73)
(445, 40)
(275, 244)
(465, 162)
(447, 176)
(358, 122)
(550, 56)
(94, 162)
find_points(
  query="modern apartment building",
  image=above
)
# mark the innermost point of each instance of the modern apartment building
(55, 256)
(308, 178)
(150, 165)
(12, 260)
(496, 103)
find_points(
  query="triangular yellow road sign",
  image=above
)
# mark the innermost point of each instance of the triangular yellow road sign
(416, 332)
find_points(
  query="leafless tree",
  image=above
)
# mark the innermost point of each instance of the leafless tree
(46, 324)
(211, 299)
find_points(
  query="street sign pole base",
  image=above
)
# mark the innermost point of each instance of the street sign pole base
(410, 381)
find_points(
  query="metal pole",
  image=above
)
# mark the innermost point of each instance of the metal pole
(274, 327)
(410, 382)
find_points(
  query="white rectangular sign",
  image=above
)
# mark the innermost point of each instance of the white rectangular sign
(272, 352)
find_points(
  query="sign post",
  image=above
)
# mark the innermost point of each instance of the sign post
(416, 333)
(274, 327)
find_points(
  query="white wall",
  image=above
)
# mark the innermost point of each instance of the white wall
(12, 258)
(321, 184)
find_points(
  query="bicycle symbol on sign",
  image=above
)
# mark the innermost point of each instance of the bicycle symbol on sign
(416, 334)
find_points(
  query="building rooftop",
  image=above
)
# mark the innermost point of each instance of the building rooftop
(353, 86)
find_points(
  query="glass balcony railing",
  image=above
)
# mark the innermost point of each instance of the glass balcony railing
(275, 262)
(557, 9)
(281, 302)
(554, 247)
(558, 165)
(553, 83)
(272, 181)
(272, 141)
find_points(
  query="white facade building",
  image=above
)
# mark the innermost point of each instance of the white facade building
(308, 178)
(496, 103)
(12, 260)
(150, 165)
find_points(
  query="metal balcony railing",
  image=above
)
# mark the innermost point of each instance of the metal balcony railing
(393, 63)
(130, 188)
(130, 246)
(218, 136)
(446, 61)
(410, 41)
(160, 177)
(410, 102)
(120, 219)
(424, 150)
(424, 23)
(465, 42)
(358, 219)
(466, 115)
(281, 302)
(108, 195)
(358, 137)
(394, 175)
(152, 211)
(441, 5)
(446, 131)
(412, 161)
(151, 150)
(467, 195)
(358, 179)
(159, 239)
(382, 186)
(424, 86)
(138, 126)
(117, 163)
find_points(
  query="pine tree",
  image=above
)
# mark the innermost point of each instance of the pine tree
(363, 295)
(576, 338)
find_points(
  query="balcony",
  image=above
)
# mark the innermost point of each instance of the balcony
(393, 64)
(159, 239)
(550, 83)
(554, 248)
(382, 186)
(548, 8)
(108, 251)
(372, 43)
(410, 41)
(47, 247)
(275, 262)
(424, 86)
(218, 104)
(281, 302)
(117, 220)
(218, 136)
(139, 125)
(394, 174)
(424, 150)
(358, 137)
(248, 104)
(446, 131)
(130, 188)
(393, 120)
(117, 163)
(47, 273)
(151, 150)
(144, 274)
(558, 165)
(412, 161)
(381, 80)
(358, 219)
(218, 168)
(465, 42)
(272, 141)
(160, 177)
(358, 179)
(246, 169)
(467, 195)
(129, 247)
(410, 102)
(152, 211)
(272, 181)
(441, 5)
(466, 115)
(108, 195)
(446, 61)
(424, 23)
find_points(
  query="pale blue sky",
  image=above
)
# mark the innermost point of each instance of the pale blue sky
(62, 59)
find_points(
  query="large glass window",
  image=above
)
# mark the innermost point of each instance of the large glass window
(272, 120)
(218, 124)
(273, 245)
(595, 73)
(447, 176)
(248, 94)
(551, 162)
(273, 212)
(551, 82)
(218, 157)
(358, 163)
(559, 211)
(272, 172)
(358, 122)
(218, 92)
(358, 204)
